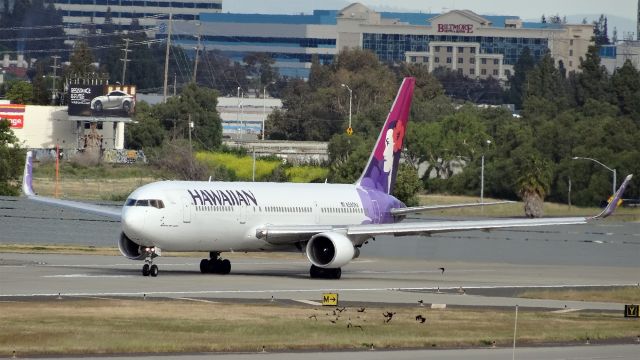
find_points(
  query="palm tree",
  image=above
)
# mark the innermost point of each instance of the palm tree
(533, 184)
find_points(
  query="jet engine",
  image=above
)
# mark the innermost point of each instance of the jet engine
(129, 249)
(330, 250)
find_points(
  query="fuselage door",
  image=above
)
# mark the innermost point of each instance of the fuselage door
(376, 212)
(242, 214)
(316, 212)
(186, 210)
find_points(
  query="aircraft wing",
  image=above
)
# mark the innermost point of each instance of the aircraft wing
(294, 233)
(27, 189)
(419, 209)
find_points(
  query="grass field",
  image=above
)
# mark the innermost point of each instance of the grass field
(625, 295)
(151, 326)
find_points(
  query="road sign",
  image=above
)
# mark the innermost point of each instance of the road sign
(330, 299)
(632, 311)
(349, 131)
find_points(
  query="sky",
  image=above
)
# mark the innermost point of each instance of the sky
(621, 13)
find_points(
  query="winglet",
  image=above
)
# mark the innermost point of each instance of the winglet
(27, 178)
(613, 204)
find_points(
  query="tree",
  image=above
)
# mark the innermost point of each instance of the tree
(626, 86)
(593, 80)
(195, 104)
(21, 92)
(518, 80)
(533, 182)
(601, 31)
(11, 160)
(407, 185)
(147, 132)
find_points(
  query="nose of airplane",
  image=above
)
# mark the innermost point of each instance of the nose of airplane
(133, 223)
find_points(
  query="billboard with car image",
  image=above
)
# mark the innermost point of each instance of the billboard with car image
(102, 100)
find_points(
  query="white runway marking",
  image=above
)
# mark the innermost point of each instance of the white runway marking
(198, 300)
(73, 276)
(564, 311)
(308, 302)
(276, 291)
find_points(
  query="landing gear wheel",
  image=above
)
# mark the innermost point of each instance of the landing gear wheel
(145, 270)
(225, 267)
(204, 266)
(153, 271)
(215, 265)
(320, 273)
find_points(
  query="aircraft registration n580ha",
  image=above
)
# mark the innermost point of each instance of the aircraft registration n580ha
(329, 222)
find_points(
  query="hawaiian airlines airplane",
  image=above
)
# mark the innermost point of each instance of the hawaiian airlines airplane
(329, 222)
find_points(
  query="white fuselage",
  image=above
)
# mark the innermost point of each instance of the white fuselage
(224, 216)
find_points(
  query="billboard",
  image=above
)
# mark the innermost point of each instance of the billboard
(102, 100)
(14, 113)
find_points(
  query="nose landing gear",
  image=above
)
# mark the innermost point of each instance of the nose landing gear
(215, 265)
(149, 268)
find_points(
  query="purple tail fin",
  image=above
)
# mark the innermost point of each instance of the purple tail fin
(382, 168)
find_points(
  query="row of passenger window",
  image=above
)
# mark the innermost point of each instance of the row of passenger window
(158, 204)
(332, 210)
(288, 209)
(215, 208)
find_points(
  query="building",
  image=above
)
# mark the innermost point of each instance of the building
(76, 13)
(614, 56)
(476, 45)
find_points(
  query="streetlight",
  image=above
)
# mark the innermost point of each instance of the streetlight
(350, 100)
(482, 176)
(604, 166)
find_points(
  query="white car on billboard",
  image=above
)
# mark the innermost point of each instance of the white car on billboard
(114, 100)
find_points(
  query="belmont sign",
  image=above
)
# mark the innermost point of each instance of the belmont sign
(455, 28)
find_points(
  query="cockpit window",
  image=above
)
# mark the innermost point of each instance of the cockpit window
(158, 204)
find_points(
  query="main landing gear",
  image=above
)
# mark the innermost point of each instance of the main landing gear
(215, 265)
(322, 273)
(149, 268)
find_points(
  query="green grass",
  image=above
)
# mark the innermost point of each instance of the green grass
(625, 295)
(70, 327)
(307, 174)
(241, 165)
(71, 170)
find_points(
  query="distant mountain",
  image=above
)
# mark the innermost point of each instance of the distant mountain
(622, 24)
(281, 6)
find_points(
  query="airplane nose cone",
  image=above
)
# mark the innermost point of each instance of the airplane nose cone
(133, 223)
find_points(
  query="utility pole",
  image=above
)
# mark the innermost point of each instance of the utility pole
(175, 83)
(195, 66)
(166, 60)
(55, 76)
(125, 60)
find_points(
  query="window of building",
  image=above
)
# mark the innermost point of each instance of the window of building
(426, 59)
(571, 42)
(495, 72)
(437, 48)
(484, 61)
(570, 52)
(507, 72)
(448, 60)
(449, 49)
(570, 63)
(483, 71)
(460, 61)
(472, 61)
(472, 50)
(459, 71)
(413, 59)
(472, 71)
(437, 59)
(496, 61)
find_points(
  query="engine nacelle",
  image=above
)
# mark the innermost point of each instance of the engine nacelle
(330, 250)
(129, 249)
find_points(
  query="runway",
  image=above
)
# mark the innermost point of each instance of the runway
(376, 280)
